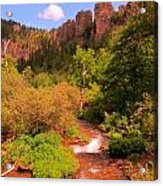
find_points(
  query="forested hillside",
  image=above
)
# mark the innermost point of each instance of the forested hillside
(92, 81)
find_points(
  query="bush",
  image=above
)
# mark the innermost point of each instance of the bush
(14, 91)
(43, 80)
(39, 80)
(92, 92)
(67, 97)
(114, 135)
(29, 110)
(73, 132)
(114, 121)
(123, 147)
(115, 125)
(144, 117)
(43, 154)
(139, 123)
(93, 113)
(90, 115)
(66, 100)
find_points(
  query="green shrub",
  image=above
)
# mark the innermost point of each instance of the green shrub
(90, 114)
(114, 135)
(92, 92)
(123, 147)
(55, 162)
(43, 154)
(73, 132)
(39, 80)
(43, 80)
(144, 117)
(138, 145)
(51, 139)
(115, 124)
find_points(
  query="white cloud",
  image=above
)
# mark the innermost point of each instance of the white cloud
(52, 12)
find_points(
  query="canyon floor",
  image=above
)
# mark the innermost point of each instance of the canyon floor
(93, 157)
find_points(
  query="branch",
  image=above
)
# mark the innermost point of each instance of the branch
(5, 47)
(8, 171)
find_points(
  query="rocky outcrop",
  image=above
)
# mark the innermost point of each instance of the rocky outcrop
(67, 31)
(125, 12)
(77, 29)
(83, 26)
(102, 14)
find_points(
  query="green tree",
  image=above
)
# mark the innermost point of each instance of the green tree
(83, 67)
(43, 59)
(6, 33)
(132, 69)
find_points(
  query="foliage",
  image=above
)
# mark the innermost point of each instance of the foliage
(90, 114)
(12, 87)
(64, 57)
(88, 67)
(73, 132)
(117, 126)
(139, 123)
(28, 74)
(116, 18)
(43, 80)
(114, 122)
(36, 153)
(5, 31)
(87, 73)
(82, 68)
(131, 71)
(67, 97)
(114, 80)
(123, 147)
(43, 59)
(144, 117)
(92, 92)
(29, 110)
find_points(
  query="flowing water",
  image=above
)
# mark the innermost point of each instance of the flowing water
(92, 147)
(93, 159)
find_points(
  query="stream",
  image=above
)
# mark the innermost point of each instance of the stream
(93, 159)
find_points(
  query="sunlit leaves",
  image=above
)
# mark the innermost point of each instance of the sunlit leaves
(35, 153)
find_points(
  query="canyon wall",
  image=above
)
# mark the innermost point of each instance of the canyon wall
(84, 27)
(87, 27)
(102, 15)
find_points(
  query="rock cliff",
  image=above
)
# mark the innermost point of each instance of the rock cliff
(88, 26)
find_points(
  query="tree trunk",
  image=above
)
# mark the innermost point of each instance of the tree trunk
(5, 47)
(81, 95)
(83, 86)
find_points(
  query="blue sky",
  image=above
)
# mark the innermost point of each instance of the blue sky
(47, 16)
